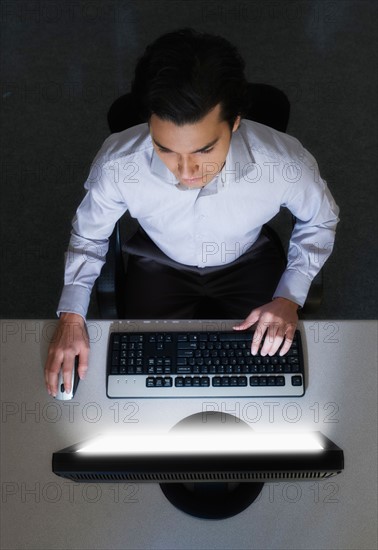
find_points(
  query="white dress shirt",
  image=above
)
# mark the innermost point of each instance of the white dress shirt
(264, 170)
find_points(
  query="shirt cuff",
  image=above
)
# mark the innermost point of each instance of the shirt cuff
(74, 299)
(293, 286)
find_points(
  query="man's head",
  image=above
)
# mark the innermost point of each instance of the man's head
(190, 88)
(184, 74)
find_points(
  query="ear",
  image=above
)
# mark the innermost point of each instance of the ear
(236, 123)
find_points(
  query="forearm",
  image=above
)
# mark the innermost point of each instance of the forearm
(309, 249)
(83, 263)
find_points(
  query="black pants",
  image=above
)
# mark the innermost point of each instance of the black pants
(159, 288)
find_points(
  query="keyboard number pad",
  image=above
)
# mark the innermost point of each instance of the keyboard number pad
(127, 354)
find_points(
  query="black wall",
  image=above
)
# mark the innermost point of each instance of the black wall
(64, 63)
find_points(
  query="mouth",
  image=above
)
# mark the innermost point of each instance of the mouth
(192, 180)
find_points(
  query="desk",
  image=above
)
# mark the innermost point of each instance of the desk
(41, 510)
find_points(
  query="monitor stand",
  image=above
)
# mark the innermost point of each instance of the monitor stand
(213, 499)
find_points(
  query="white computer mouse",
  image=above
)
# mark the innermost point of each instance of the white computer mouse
(62, 395)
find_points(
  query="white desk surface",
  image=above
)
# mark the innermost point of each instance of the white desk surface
(41, 510)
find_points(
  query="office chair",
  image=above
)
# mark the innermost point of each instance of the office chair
(267, 105)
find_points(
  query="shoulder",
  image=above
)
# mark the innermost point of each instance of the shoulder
(132, 142)
(265, 141)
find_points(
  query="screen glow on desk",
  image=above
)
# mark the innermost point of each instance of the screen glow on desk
(210, 443)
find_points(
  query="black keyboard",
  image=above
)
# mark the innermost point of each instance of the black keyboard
(200, 364)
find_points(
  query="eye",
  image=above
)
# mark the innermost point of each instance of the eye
(205, 151)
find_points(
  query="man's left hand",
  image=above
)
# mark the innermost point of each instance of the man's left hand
(277, 321)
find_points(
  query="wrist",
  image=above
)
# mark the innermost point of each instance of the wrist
(68, 317)
(288, 302)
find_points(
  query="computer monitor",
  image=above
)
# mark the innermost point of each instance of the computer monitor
(214, 472)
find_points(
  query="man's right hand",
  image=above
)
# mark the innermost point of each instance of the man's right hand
(70, 339)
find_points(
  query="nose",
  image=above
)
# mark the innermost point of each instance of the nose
(188, 168)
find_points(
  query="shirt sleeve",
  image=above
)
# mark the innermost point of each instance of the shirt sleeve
(92, 225)
(313, 236)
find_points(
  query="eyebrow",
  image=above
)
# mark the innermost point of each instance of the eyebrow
(197, 151)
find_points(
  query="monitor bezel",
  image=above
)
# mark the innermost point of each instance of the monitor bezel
(226, 466)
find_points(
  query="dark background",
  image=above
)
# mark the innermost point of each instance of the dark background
(64, 63)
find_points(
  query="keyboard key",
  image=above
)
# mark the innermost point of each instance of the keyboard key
(196, 381)
(150, 382)
(167, 382)
(236, 336)
(185, 353)
(159, 382)
(186, 345)
(184, 370)
(296, 380)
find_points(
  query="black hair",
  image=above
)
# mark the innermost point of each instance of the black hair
(184, 74)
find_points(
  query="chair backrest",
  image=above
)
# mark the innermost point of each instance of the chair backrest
(268, 105)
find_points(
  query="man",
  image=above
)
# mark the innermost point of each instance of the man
(202, 182)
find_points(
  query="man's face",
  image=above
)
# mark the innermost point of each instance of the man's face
(194, 153)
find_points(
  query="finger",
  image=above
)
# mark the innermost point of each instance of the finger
(272, 336)
(274, 344)
(52, 382)
(68, 366)
(252, 318)
(289, 337)
(258, 336)
(83, 363)
(52, 368)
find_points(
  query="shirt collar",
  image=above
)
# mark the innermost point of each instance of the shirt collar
(158, 167)
(239, 162)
